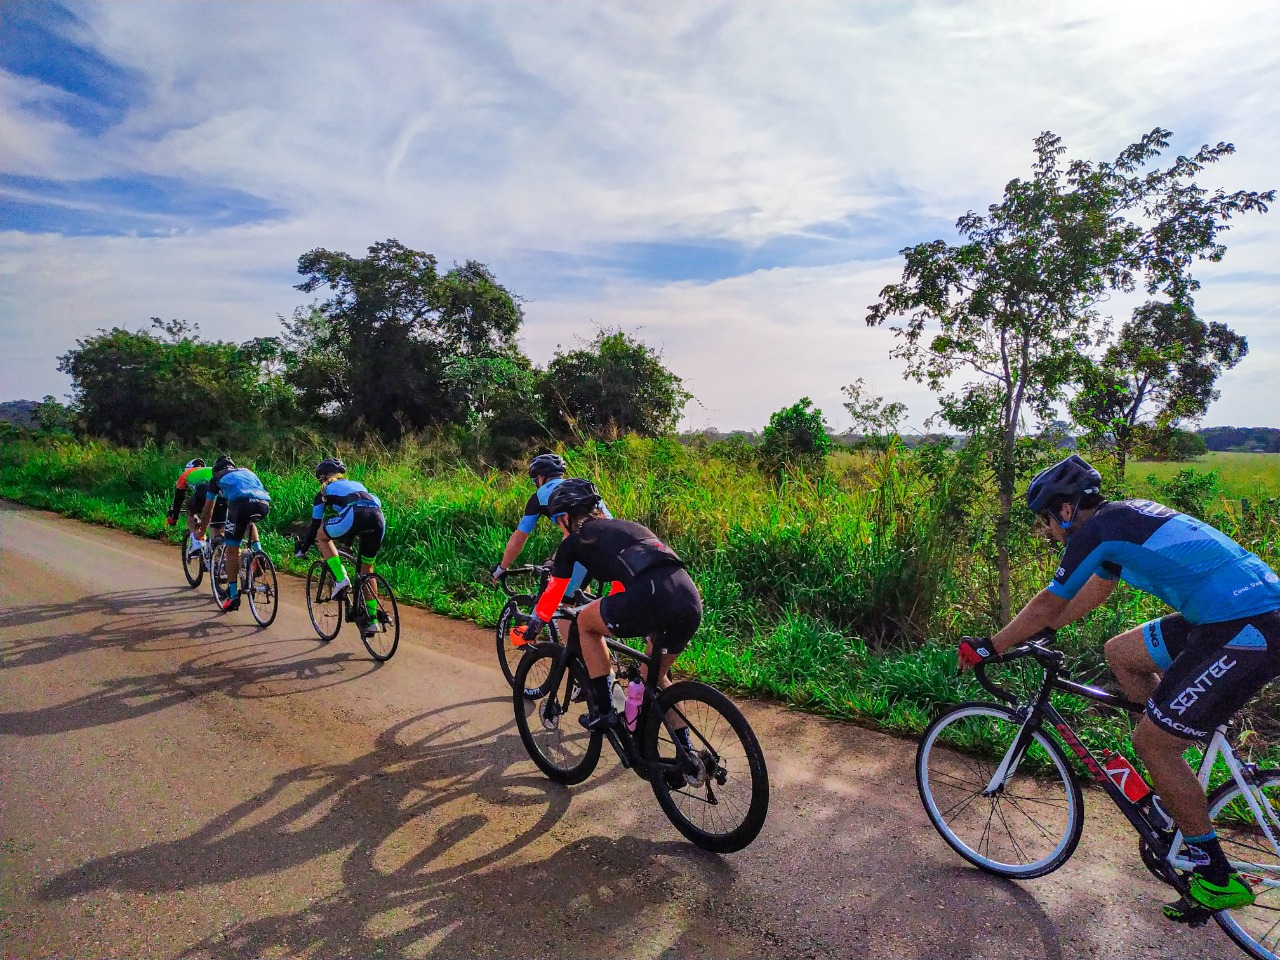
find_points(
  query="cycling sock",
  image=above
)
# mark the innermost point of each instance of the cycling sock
(256, 546)
(336, 568)
(233, 588)
(372, 607)
(1206, 853)
(600, 693)
(682, 737)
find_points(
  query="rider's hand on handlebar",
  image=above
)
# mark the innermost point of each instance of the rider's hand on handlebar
(531, 629)
(974, 651)
(496, 573)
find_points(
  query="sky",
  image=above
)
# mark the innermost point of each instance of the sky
(731, 182)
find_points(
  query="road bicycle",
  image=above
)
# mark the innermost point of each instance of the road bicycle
(714, 788)
(1002, 793)
(518, 606)
(328, 612)
(258, 583)
(193, 564)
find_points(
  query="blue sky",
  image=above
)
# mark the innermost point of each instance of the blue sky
(731, 180)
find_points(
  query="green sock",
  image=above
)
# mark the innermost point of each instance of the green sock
(335, 566)
(372, 607)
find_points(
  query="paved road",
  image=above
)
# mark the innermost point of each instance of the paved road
(180, 784)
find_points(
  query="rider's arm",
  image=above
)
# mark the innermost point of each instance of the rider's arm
(551, 598)
(317, 517)
(1092, 595)
(514, 546)
(1043, 610)
(179, 494)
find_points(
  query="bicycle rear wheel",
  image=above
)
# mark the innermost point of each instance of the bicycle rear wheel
(509, 653)
(384, 638)
(721, 798)
(561, 747)
(262, 589)
(1256, 928)
(192, 565)
(1025, 827)
(218, 582)
(324, 610)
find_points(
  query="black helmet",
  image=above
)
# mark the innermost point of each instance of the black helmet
(329, 466)
(223, 463)
(1070, 479)
(191, 464)
(547, 465)
(574, 496)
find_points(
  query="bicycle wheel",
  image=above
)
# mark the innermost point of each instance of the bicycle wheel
(1256, 928)
(549, 728)
(262, 590)
(384, 638)
(509, 653)
(218, 582)
(324, 610)
(1028, 825)
(721, 799)
(192, 565)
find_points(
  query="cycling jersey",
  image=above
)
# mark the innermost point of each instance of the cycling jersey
(237, 484)
(613, 550)
(359, 514)
(537, 506)
(188, 482)
(1198, 571)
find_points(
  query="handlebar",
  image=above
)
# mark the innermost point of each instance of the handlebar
(1037, 648)
(542, 569)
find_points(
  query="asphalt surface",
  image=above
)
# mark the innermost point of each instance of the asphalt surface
(177, 783)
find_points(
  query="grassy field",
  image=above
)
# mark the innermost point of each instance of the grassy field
(843, 593)
(1239, 475)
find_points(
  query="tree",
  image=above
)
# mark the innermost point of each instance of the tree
(614, 386)
(52, 416)
(164, 384)
(393, 346)
(871, 415)
(795, 437)
(1159, 371)
(1016, 303)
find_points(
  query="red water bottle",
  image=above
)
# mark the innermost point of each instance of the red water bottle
(1124, 776)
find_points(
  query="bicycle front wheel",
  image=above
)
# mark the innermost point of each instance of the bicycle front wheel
(1255, 928)
(192, 564)
(720, 797)
(381, 631)
(548, 723)
(219, 585)
(1026, 825)
(324, 610)
(262, 589)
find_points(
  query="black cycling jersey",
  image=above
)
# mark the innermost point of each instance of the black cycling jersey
(613, 550)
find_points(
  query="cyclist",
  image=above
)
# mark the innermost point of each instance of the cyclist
(358, 515)
(1193, 668)
(190, 490)
(247, 501)
(659, 602)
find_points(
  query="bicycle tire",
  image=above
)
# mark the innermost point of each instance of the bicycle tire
(262, 590)
(219, 584)
(509, 654)
(1254, 929)
(325, 612)
(548, 725)
(723, 801)
(953, 778)
(384, 642)
(188, 561)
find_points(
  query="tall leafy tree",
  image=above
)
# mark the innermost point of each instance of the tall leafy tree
(387, 347)
(1015, 306)
(613, 386)
(795, 437)
(1158, 372)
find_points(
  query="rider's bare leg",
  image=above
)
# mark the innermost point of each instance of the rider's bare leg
(1131, 662)
(1180, 791)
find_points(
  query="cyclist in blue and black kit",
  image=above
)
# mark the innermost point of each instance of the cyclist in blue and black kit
(247, 501)
(1193, 668)
(358, 516)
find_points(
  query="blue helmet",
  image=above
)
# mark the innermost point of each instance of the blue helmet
(1070, 479)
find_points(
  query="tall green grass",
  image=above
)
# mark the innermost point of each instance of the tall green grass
(842, 592)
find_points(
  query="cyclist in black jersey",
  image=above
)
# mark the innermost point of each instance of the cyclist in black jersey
(658, 601)
(1193, 668)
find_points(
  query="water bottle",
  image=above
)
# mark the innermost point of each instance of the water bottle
(617, 693)
(1124, 776)
(635, 697)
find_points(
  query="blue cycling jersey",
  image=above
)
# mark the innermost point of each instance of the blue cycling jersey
(340, 494)
(537, 506)
(1197, 570)
(236, 484)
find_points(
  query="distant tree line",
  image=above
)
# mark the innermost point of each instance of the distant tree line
(1242, 439)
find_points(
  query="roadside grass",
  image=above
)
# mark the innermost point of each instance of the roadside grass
(1240, 475)
(842, 593)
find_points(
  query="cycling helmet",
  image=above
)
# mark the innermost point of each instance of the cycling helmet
(1070, 479)
(223, 463)
(575, 497)
(329, 466)
(197, 462)
(547, 465)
